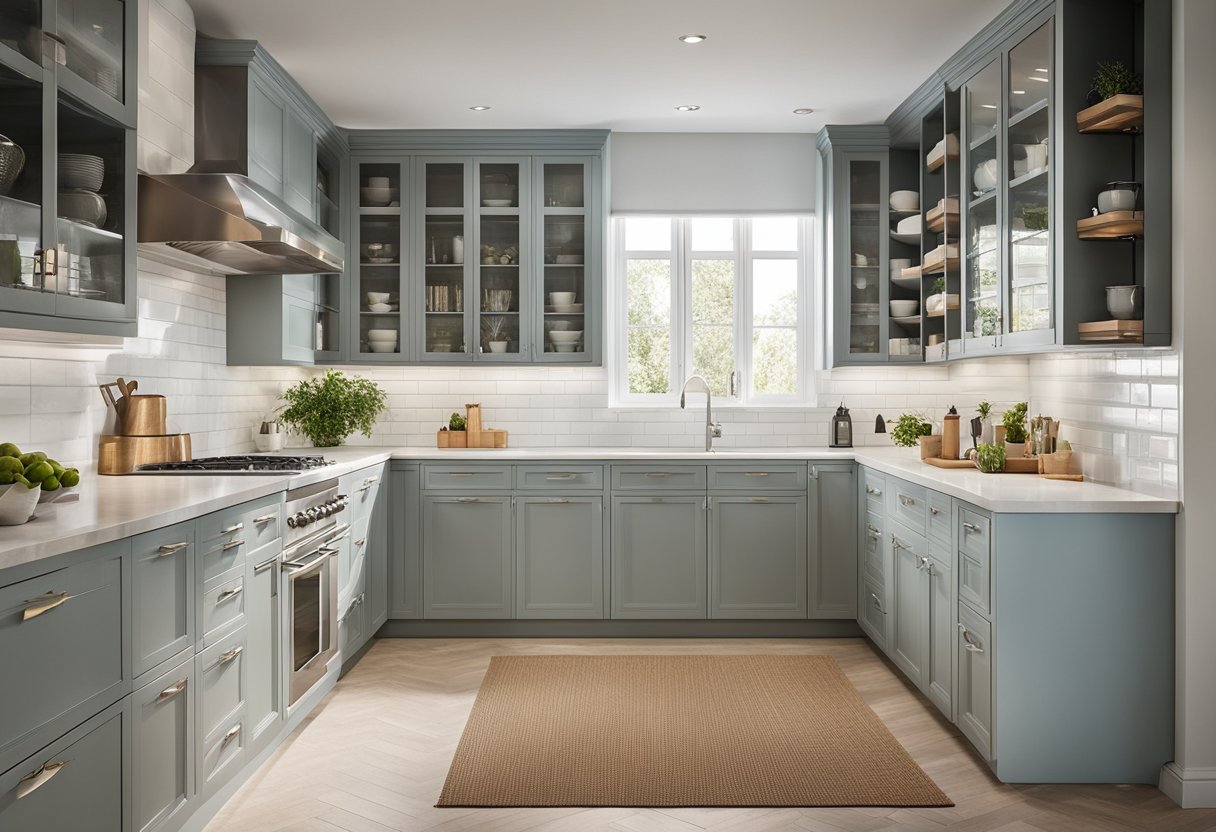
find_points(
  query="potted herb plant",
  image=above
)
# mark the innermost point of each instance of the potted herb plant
(457, 437)
(329, 408)
(494, 331)
(1014, 420)
(1113, 78)
(990, 458)
(909, 430)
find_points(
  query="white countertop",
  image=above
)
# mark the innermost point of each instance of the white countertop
(110, 508)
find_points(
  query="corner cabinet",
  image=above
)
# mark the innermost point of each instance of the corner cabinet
(67, 167)
(484, 248)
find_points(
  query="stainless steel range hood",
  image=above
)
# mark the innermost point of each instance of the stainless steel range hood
(227, 224)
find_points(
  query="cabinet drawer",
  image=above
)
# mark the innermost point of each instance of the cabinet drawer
(939, 516)
(470, 479)
(975, 680)
(874, 612)
(263, 522)
(62, 636)
(757, 477)
(220, 755)
(74, 783)
(222, 681)
(874, 485)
(658, 477)
(162, 740)
(163, 595)
(223, 606)
(909, 504)
(974, 533)
(974, 561)
(559, 477)
(873, 549)
(221, 541)
(363, 490)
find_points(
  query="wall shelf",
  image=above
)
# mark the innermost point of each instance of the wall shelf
(1118, 114)
(1113, 225)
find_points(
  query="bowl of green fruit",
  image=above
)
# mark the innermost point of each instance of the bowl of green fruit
(27, 479)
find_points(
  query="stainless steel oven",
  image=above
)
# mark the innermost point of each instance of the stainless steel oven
(310, 574)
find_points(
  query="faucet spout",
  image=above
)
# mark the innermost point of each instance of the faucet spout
(713, 430)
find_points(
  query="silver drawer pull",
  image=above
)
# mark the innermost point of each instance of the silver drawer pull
(559, 475)
(757, 499)
(970, 644)
(906, 500)
(371, 480)
(235, 527)
(658, 474)
(230, 655)
(361, 541)
(264, 565)
(872, 530)
(934, 511)
(232, 734)
(265, 518)
(460, 473)
(971, 527)
(44, 603)
(38, 778)
(898, 544)
(558, 501)
(877, 603)
(363, 488)
(468, 499)
(232, 544)
(173, 690)
(922, 564)
(871, 490)
(228, 594)
(172, 548)
(756, 474)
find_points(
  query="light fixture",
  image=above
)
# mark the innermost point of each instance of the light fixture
(1019, 92)
(1041, 69)
(1037, 78)
(693, 38)
(988, 106)
(803, 111)
(479, 108)
(688, 108)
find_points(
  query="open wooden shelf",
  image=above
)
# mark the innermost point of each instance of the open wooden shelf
(941, 258)
(1111, 332)
(1113, 225)
(943, 217)
(1118, 114)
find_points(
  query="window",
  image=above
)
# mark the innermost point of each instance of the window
(725, 298)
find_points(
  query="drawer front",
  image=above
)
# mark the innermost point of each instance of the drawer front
(975, 680)
(163, 595)
(757, 477)
(873, 549)
(974, 533)
(162, 740)
(220, 755)
(223, 681)
(263, 522)
(658, 478)
(222, 541)
(974, 560)
(62, 636)
(874, 486)
(364, 490)
(223, 606)
(873, 608)
(75, 783)
(469, 478)
(939, 516)
(559, 477)
(909, 504)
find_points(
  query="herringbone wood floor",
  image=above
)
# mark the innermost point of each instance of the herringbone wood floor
(373, 758)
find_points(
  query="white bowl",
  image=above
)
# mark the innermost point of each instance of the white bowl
(561, 326)
(375, 197)
(566, 337)
(898, 264)
(17, 503)
(905, 200)
(985, 175)
(562, 298)
(382, 334)
(565, 347)
(1116, 199)
(382, 346)
(377, 182)
(379, 307)
(378, 297)
(59, 493)
(909, 225)
(903, 308)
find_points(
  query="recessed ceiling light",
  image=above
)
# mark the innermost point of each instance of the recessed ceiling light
(1040, 69)
(1019, 92)
(693, 38)
(803, 111)
(688, 108)
(1037, 78)
(479, 108)
(988, 106)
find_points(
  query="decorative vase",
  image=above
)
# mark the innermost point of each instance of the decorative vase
(986, 430)
(1015, 450)
(498, 346)
(458, 249)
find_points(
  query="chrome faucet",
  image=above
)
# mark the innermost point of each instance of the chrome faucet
(713, 430)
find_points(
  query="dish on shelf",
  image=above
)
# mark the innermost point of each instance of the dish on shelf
(12, 161)
(910, 225)
(380, 308)
(80, 171)
(569, 260)
(567, 336)
(566, 348)
(379, 261)
(498, 203)
(82, 206)
(569, 309)
(382, 346)
(382, 335)
(378, 297)
(906, 320)
(904, 308)
(905, 200)
(985, 176)
(375, 197)
(907, 239)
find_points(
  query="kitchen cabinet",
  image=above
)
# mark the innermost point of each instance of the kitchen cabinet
(377, 551)
(67, 245)
(162, 748)
(758, 556)
(909, 647)
(163, 595)
(467, 557)
(283, 319)
(405, 536)
(352, 626)
(659, 556)
(942, 603)
(975, 680)
(832, 538)
(363, 579)
(264, 634)
(559, 554)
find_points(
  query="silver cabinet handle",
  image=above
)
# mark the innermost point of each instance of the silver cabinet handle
(561, 501)
(658, 474)
(904, 499)
(896, 543)
(361, 541)
(173, 690)
(232, 734)
(44, 603)
(265, 518)
(231, 544)
(922, 564)
(230, 655)
(264, 565)
(969, 643)
(38, 778)
(757, 499)
(172, 548)
(872, 530)
(468, 499)
(371, 480)
(235, 527)
(873, 491)
(756, 474)
(460, 473)
(228, 594)
(934, 511)
(814, 472)
(877, 603)
(971, 527)
(560, 475)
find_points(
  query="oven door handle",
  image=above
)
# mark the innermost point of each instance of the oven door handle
(297, 568)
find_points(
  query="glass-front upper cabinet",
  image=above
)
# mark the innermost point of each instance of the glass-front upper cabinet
(503, 258)
(378, 276)
(23, 194)
(1028, 171)
(983, 179)
(443, 255)
(866, 248)
(564, 196)
(93, 41)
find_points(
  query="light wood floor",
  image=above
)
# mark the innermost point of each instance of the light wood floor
(374, 756)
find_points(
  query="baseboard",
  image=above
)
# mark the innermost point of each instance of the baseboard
(843, 628)
(1193, 788)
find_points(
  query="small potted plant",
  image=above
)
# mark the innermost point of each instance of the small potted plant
(990, 458)
(1014, 420)
(984, 411)
(494, 331)
(909, 429)
(329, 408)
(457, 438)
(1113, 78)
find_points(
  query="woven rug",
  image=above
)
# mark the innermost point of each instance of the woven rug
(653, 731)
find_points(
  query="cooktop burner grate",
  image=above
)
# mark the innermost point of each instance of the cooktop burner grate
(247, 463)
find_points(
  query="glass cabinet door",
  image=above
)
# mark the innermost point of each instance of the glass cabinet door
(1029, 293)
(864, 250)
(564, 187)
(445, 248)
(93, 35)
(21, 28)
(982, 177)
(23, 192)
(377, 276)
(502, 257)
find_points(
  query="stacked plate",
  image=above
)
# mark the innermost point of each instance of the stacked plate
(565, 340)
(382, 340)
(80, 178)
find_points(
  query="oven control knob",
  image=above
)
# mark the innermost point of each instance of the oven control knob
(325, 510)
(312, 514)
(293, 521)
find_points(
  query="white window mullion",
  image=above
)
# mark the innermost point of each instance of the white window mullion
(743, 310)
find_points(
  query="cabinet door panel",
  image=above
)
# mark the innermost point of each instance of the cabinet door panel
(874, 612)
(975, 680)
(163, 594)
(266, 115)
(939, 669)
(910, 633)
(758, 557)
(560, 557)
(466, 552)
(658, 557)
(162, 732)
(299, 164)
(262, 638)
(833, 536)
(405, 556)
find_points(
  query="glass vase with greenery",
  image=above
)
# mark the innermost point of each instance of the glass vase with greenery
(329, 408)
(909, 429)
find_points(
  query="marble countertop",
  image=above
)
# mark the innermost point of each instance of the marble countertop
(110, 508)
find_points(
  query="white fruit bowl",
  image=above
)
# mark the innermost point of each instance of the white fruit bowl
(17, 503)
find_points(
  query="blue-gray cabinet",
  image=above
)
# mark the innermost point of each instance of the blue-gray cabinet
(559, 546)
(264, 639)
(757, 556)
(909, 647)
(163, 594)
(975, 689)
(942, 600)
(659, 555)
(162, 748)
(832, 540)
(467, 557)
(405, 536)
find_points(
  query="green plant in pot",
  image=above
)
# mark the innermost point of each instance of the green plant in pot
(984, 411)
(1014, 420)
(909, 429)
(1113, 78)
(990, 458)
(329, 408)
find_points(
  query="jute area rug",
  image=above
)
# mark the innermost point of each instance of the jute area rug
(654, 731)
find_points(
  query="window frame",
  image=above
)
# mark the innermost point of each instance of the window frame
(681, 256)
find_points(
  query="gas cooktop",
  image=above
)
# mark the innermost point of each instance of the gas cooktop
(241, 464)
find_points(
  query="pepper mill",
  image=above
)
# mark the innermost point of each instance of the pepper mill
(950, 435)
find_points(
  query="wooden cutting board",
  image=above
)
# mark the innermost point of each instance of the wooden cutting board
(950, 463)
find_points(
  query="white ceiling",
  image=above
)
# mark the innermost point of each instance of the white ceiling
(616, 64)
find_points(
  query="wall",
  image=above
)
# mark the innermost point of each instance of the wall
(705, 173)
(166, 86)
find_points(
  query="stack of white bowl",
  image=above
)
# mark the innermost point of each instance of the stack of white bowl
(382, 340)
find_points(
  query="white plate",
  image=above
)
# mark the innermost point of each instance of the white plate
(910, 239)
(498, 203)
(906, 320)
